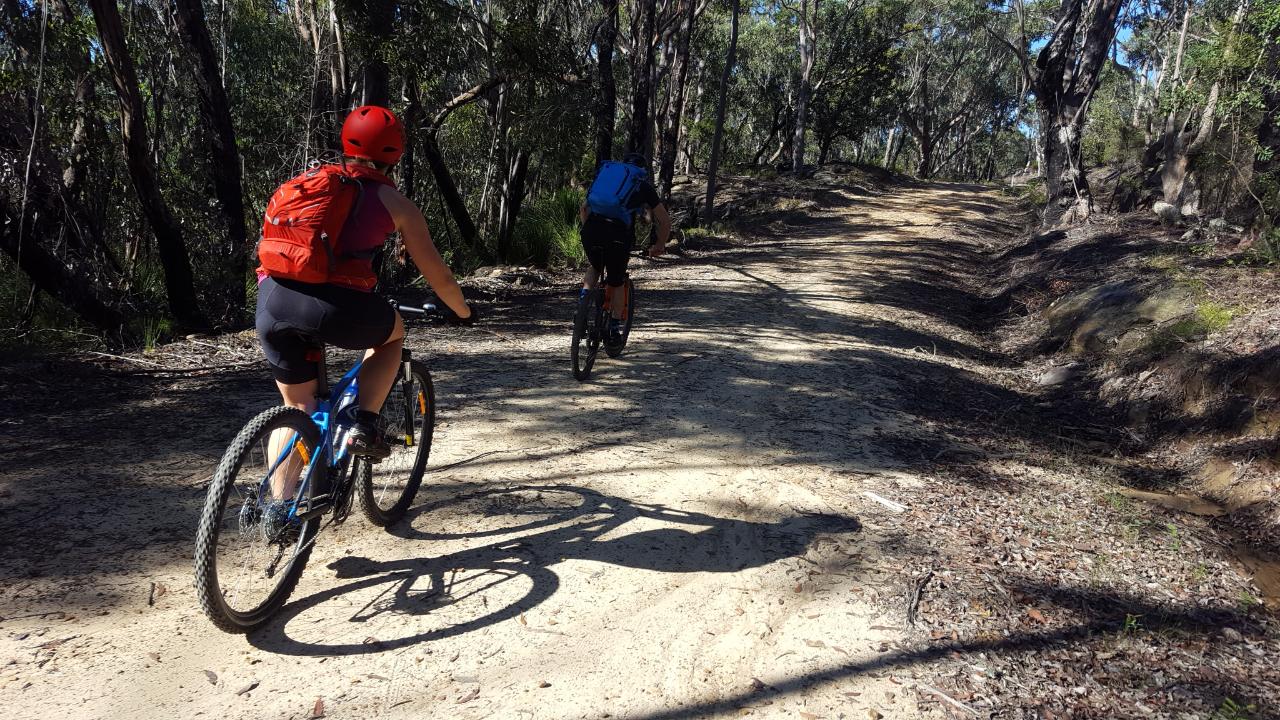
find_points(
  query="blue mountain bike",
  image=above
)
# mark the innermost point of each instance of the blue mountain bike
(285, 471)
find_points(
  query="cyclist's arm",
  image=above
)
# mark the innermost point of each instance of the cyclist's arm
(663, 218)
(582, 213)
(412, 227)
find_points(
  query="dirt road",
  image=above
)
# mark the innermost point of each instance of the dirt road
(686, 535)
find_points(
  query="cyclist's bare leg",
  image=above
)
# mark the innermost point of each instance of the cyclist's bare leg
(379, 370)
(615, 307)
(285, 479)
(590, 279)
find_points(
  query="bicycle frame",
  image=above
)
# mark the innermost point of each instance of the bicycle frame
(323, 418)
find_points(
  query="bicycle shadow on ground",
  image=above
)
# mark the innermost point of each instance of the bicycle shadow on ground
(546, 525)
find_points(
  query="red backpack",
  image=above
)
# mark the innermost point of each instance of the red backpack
(303, 226)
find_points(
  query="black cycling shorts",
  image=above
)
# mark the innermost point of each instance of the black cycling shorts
(608, 246)
(295, 317)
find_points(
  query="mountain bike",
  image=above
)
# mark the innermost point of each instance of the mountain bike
(285, 470)
(591, 326)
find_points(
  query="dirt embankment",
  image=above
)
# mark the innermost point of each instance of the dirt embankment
(1174, 332)
(816, 485)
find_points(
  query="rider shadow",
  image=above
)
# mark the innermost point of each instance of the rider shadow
(553, 524)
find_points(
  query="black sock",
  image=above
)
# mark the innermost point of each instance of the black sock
(364, 417)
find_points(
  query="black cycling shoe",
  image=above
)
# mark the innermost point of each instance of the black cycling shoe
(368, 441)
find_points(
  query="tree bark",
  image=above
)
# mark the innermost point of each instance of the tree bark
(639, 138)
(675, 106)
(607, 100)
(377, 18)
(1181, 143)
(448, 189)
(888, 148)
(179, 284)
(512, 197)
(1065, 77)
(1266, 163)
(224, 156)
(807, 42)
(713, 166)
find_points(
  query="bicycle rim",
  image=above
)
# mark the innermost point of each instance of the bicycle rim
(249, 555)
(387, 488)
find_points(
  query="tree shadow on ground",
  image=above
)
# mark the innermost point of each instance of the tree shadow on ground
(542, 525)
(1100, 615)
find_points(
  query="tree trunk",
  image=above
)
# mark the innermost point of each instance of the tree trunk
(639, 138)
(807, 42)
(888, 148)
(377, 19)
(607, 100)
(925, 168)
(675, 106)
(1266, 163)
(179, 284)
(338, 77)
(1181, 143)
(412, 118)
(448, 189)
(713, 166)
(1065, 79)
(512, 197)
(224, 156)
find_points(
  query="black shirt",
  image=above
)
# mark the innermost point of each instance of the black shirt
(644, 196)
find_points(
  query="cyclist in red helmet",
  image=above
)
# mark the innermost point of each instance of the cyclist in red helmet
(295, 317)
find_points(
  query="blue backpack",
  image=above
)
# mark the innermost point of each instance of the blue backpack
(612, 189)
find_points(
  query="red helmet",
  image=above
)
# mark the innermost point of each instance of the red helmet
(373, 133)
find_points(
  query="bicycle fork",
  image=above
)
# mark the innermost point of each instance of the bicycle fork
(406, 379)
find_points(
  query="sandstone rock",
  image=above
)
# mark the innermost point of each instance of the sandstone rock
(1168, 214)
(1058, 375)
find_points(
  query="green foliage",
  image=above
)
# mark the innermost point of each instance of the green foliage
(1132, 624)
(1266, 248)
(1232, 710)
(1208, 318)
(1032, 193)
(547, 233)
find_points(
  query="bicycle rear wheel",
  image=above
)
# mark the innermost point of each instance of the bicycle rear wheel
(249, 555)
(614, 351)
(386, 489)
(587, 332)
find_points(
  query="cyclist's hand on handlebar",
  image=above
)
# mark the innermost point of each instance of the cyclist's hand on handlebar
(453, 319)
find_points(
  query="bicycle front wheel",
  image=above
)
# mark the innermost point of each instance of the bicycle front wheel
(386, 488)
(249, 553)
(586, 334)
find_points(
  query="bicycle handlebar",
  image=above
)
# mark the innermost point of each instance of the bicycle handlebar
(423, 309)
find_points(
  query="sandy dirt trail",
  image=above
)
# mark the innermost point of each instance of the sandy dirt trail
(685, 535)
